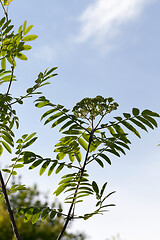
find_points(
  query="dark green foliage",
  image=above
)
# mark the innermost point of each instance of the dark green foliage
(85, 130)
(33, 228)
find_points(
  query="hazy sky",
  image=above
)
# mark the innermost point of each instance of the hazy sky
(109, 48)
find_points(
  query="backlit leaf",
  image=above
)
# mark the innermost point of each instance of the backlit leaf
(61, 166)
(7, 147)
(43, 168)
(30, 38)
(27, 29)
(83, 143)
(3, 63)
(52, 168)
(21, 56)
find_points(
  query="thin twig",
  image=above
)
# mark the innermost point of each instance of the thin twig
(10, 83)
(14, 226)
(5, 12)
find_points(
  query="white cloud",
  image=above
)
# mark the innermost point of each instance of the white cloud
(103, 18)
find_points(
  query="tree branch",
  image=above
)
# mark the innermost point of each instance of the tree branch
(69, 216)
(14, 226)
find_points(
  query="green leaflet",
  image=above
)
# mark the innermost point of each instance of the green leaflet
(19, 166)
(86, 137)
(83, 143)
(123, 144)
(139, 124)
(44, 167)
(6, 170)
(51, 70)
(26, 47)
(61, 166)
(145, 121)
(60, 189)
(20, 29)
(60, 155)
(113, 151)
(7, 147)
(71, 157)
(105, 158)
(78, 156)
(45, 213)
(60, 120)
(41, 104)
(131, 128)
(108, 205)
(94, 145)
(103, 188)
(150, 119)
(8, 140)
(27, 138)
(8, 29)
(127, 115)
(24, 25)
(99, 162)
(66, 180)
(21, 56)
(119, 149)
(30, 142)
(108, 195)
(95, 187)
(1, 150)
(53, 117)
(36, 216)
(75, 132)
(150, 113)
(66, 125)
(118, 129)
(135, 111)
(6, 24)
(29, 38)
(111, 130)
(52, 214)
(35, 164)
(3, 63)
(52, 168)
(2, 21)
(49, 112)
(27, 29)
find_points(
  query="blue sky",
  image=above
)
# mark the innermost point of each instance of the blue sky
(108, 48)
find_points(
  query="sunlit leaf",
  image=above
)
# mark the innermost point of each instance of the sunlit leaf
(61, 166)
(83, 143)
(1, 150)
(52, 168)
(43, 168)
(27, 29)
(30, 38)
(3, 63)
(7, 147)
(21, 56)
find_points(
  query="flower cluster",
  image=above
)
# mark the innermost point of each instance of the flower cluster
(89, 108)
